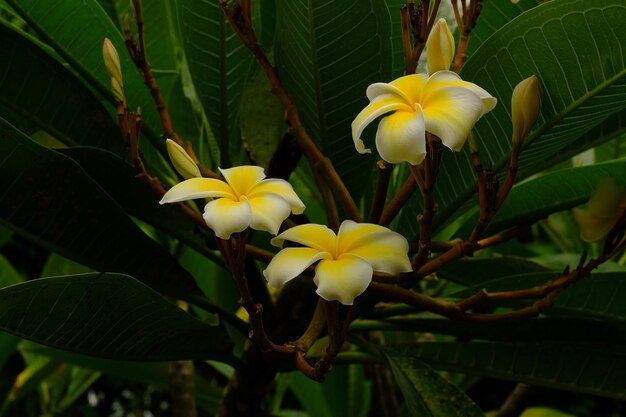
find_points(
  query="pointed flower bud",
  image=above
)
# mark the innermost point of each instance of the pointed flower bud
(525, 107)
(112, 63)
(182, 161)
(439, 47)
(604, 209)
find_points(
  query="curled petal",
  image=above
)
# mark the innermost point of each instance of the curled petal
(448, 78)
(314, 236)
(226, 216)
(380, 105)
(281, 188)
(197, 188)
(343, 279)
(243, 178)
(289, 263)
(451, 114)
(269, 210)
(401, 137)
(385, 250)
(408, 87)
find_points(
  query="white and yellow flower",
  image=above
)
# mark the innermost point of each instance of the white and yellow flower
(442, 104)
(347, 259)
(604, 209)
(245, 199)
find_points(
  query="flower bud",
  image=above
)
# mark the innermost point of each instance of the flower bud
(181, 160)
(112, 61)
(118, 92)
(525, 107)
(439, 47)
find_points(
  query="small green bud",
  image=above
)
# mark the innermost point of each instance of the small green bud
(181, 160)
(525, 108)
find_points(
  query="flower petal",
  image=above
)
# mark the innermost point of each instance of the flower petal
(401, 136)
(289, 263)
(197, 188)
(408, 87)
(269, 211)
(380, 105)
(312, 235)
(243, 178)
(226, 216)
(385, 250)
(593, 228)
(451, 113)
(281, 188)
(343, 279)
(449, 78)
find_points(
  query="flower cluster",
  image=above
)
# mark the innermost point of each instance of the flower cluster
(440, 103)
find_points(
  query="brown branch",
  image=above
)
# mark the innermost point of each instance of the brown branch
(398, 201)
(244, 30)
(380, 194)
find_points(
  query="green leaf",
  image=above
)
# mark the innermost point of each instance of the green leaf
(600, 297)
(219, 64)
(107, 315)
(581, 367)
(493, 17)
(327, 54)
(471, 272)
(544, 412)
(49, 199)
(119, 181)
(550, 193)
(582, 87)
(76, 32)
(426, 393)
(40, 88)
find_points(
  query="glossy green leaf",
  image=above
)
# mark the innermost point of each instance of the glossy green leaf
(426, 393)
(107, 315)
(600, 297)
(471, 271)
(76, 33)
(49, 199)
(40, 88)
(581, 367)
(219, 64)
(550, 193)
(560, 328)
(8, 276)
(327, 54)
(120, 182)
(493, 17)
(582, 87)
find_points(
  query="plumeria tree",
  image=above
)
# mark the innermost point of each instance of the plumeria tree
(315, 208)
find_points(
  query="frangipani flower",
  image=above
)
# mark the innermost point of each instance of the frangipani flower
(245, 199)
(604, 209)
(441, 104)
(347, 259)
